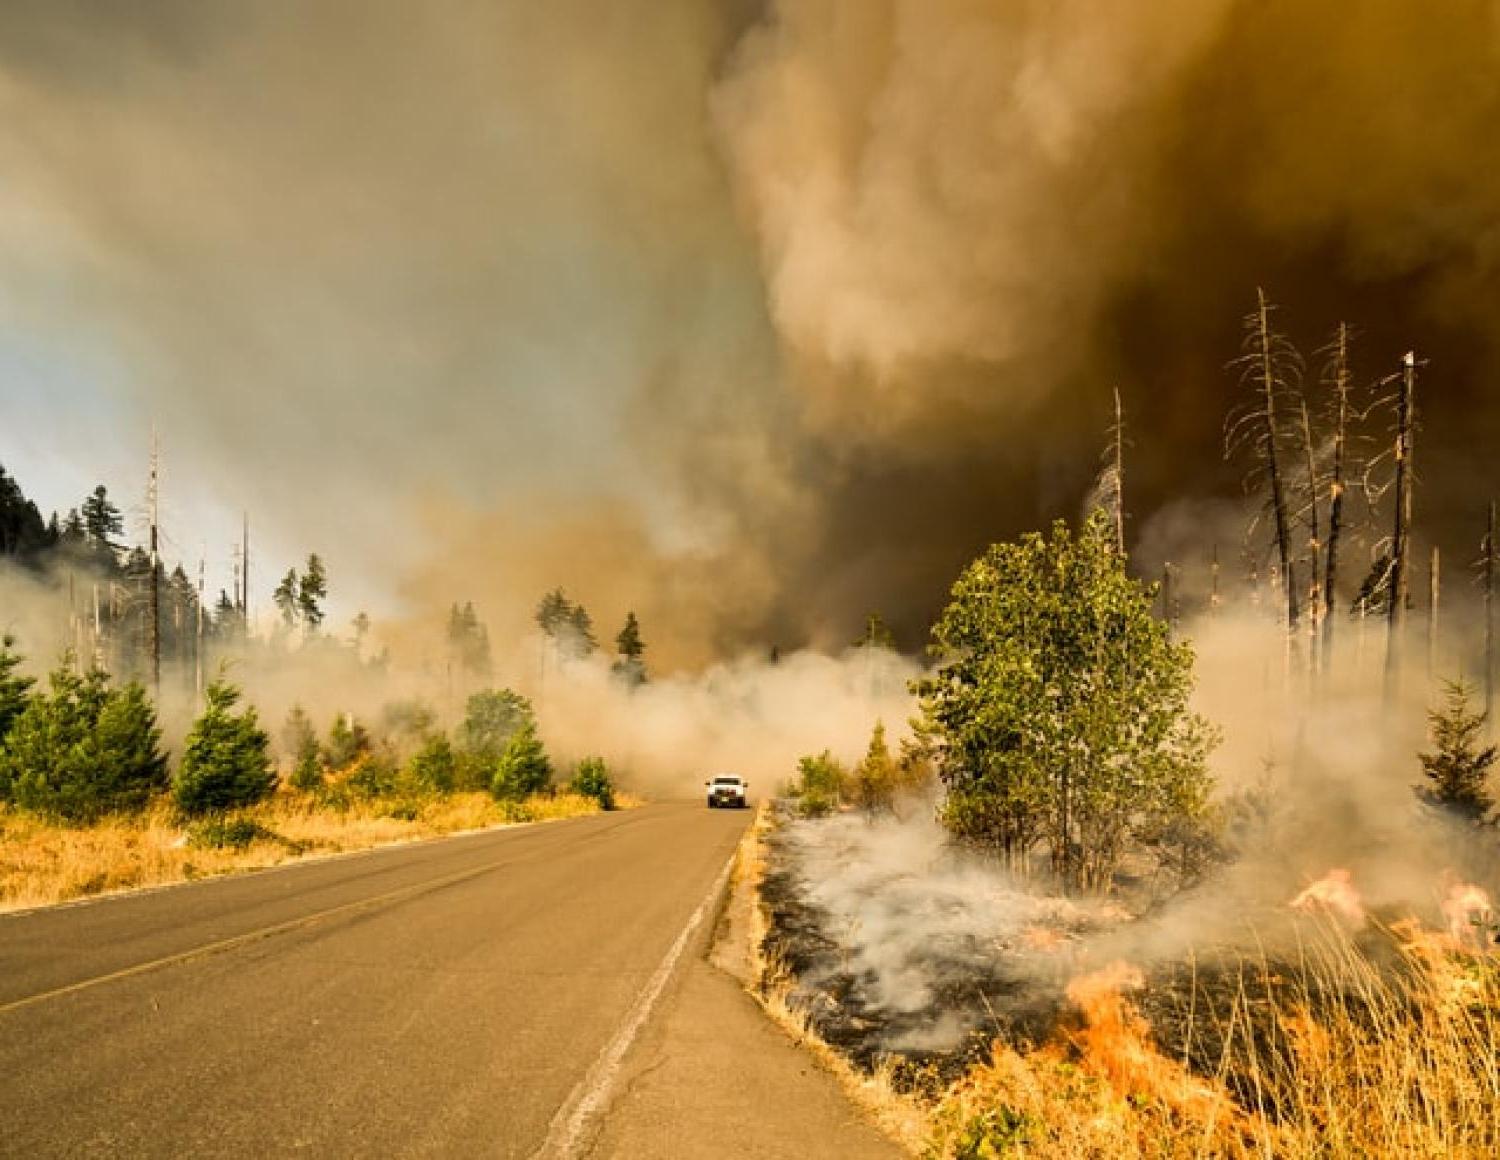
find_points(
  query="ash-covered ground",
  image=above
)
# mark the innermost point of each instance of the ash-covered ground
(904, 948)
(900, 945)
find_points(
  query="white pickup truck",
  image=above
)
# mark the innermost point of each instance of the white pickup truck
(727, 790)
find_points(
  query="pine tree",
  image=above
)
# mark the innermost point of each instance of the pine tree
(311, 592)
(877, 633)
(299, 743)
(875, 777)
(226, 761)
(84, 749)
(286, 598)
(102, 522)
(631, 667)
(1458, 769)
(15, 690)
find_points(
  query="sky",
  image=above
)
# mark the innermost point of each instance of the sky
(753, 317)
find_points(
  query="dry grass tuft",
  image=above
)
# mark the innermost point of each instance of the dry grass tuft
(43, 863)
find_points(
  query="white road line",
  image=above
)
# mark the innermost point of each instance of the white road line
(588, 1101)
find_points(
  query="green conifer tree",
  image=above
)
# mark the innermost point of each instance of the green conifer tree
(226, 760)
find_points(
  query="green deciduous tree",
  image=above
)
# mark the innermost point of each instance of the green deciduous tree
(591, 779)
(226, 760)
(434, 767)
(523, 768)
(84, 749)
(1458, 768)
(819, 788)
(1060, 707)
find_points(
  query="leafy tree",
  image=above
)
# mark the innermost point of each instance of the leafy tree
(491, 716)
(434, 767)
(591, 779)
(875, 778)
(819, 789)
(1458, 769)
(299, 742)
(15, 690)
(523, 768)
(226, 761)
(286, 598)
(1060, 707)
(83, 749)
(312, 589)
(631, 667)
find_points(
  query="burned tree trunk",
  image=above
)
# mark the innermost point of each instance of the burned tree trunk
(1340, 382)
(153, 627)
(1401, 534)
(1119, 467)
(1265, 364)
(1489, 617)
(1314, 541)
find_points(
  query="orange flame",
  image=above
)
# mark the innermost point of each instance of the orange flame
(1334, 892)
(1116, 1042)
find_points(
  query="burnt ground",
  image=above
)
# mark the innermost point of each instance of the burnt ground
(1221, 1014)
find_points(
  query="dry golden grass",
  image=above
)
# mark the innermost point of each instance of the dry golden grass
(1393, 1061)
(42, 863)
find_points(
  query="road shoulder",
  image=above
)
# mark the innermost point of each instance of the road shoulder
(713, 1077)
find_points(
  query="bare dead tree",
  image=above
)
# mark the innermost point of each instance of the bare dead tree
(1271, 369)
(153, 611)
(1486, 567)
(1312, 514)
(1337, 376)
(1401, 531)
(1108, 493)
(1434, 599)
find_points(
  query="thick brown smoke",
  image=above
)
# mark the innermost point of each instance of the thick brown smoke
(754, 319)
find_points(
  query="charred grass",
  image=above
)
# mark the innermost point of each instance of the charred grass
(1372, 1038)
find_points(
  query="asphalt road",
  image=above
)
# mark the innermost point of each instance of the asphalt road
(455, 998)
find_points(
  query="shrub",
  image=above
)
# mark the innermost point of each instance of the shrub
(591, 779)
(218, 832)
(819, 786)
(434, 767)
(347, 742)
(226, 761)
(377, 775)
(523, 768)
(84, 749)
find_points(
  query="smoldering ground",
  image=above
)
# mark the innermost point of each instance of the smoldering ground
(810, 298)
(899, 943)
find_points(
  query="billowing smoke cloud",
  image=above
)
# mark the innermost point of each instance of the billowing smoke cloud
(751, 317)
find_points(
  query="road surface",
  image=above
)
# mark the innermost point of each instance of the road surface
(518, 993)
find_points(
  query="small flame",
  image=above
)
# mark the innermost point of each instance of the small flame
(1333, 892)
(1042, 938)
(1470, 914)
